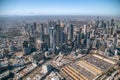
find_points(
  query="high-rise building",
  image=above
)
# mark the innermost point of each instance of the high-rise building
(32, 43)
(47, 41)
(26, 48)
(78, 38)
(88, 35)
(112, 22)
(93, 33)
(52, 37)
(116, 52)
(42, 32)
(61, 34)
(34, 27)
(64, 37)
(97, 22)
(107, 24)
(57, 35)
(94, 43)
(85, 30)
(88, 43)
(70, 33)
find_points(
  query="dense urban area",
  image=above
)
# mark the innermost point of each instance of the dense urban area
(59, 48)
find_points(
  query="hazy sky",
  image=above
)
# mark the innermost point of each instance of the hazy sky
(60, 7)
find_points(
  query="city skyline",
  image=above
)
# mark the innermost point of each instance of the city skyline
(59, 40)
(60, 7)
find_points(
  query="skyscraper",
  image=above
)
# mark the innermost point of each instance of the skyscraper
(57, 35)
(97, 22)
(112, 22)
(107, 24)
(52, 37)
(70, 33)
(42, 32)
(85, 29)
(77, 38)
(26, 48)
(62, 36)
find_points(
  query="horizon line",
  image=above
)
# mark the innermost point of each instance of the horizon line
(64, 15)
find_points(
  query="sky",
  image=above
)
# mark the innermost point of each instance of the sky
(60, 7)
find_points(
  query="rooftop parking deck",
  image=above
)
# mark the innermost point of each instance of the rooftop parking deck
(87, 68)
